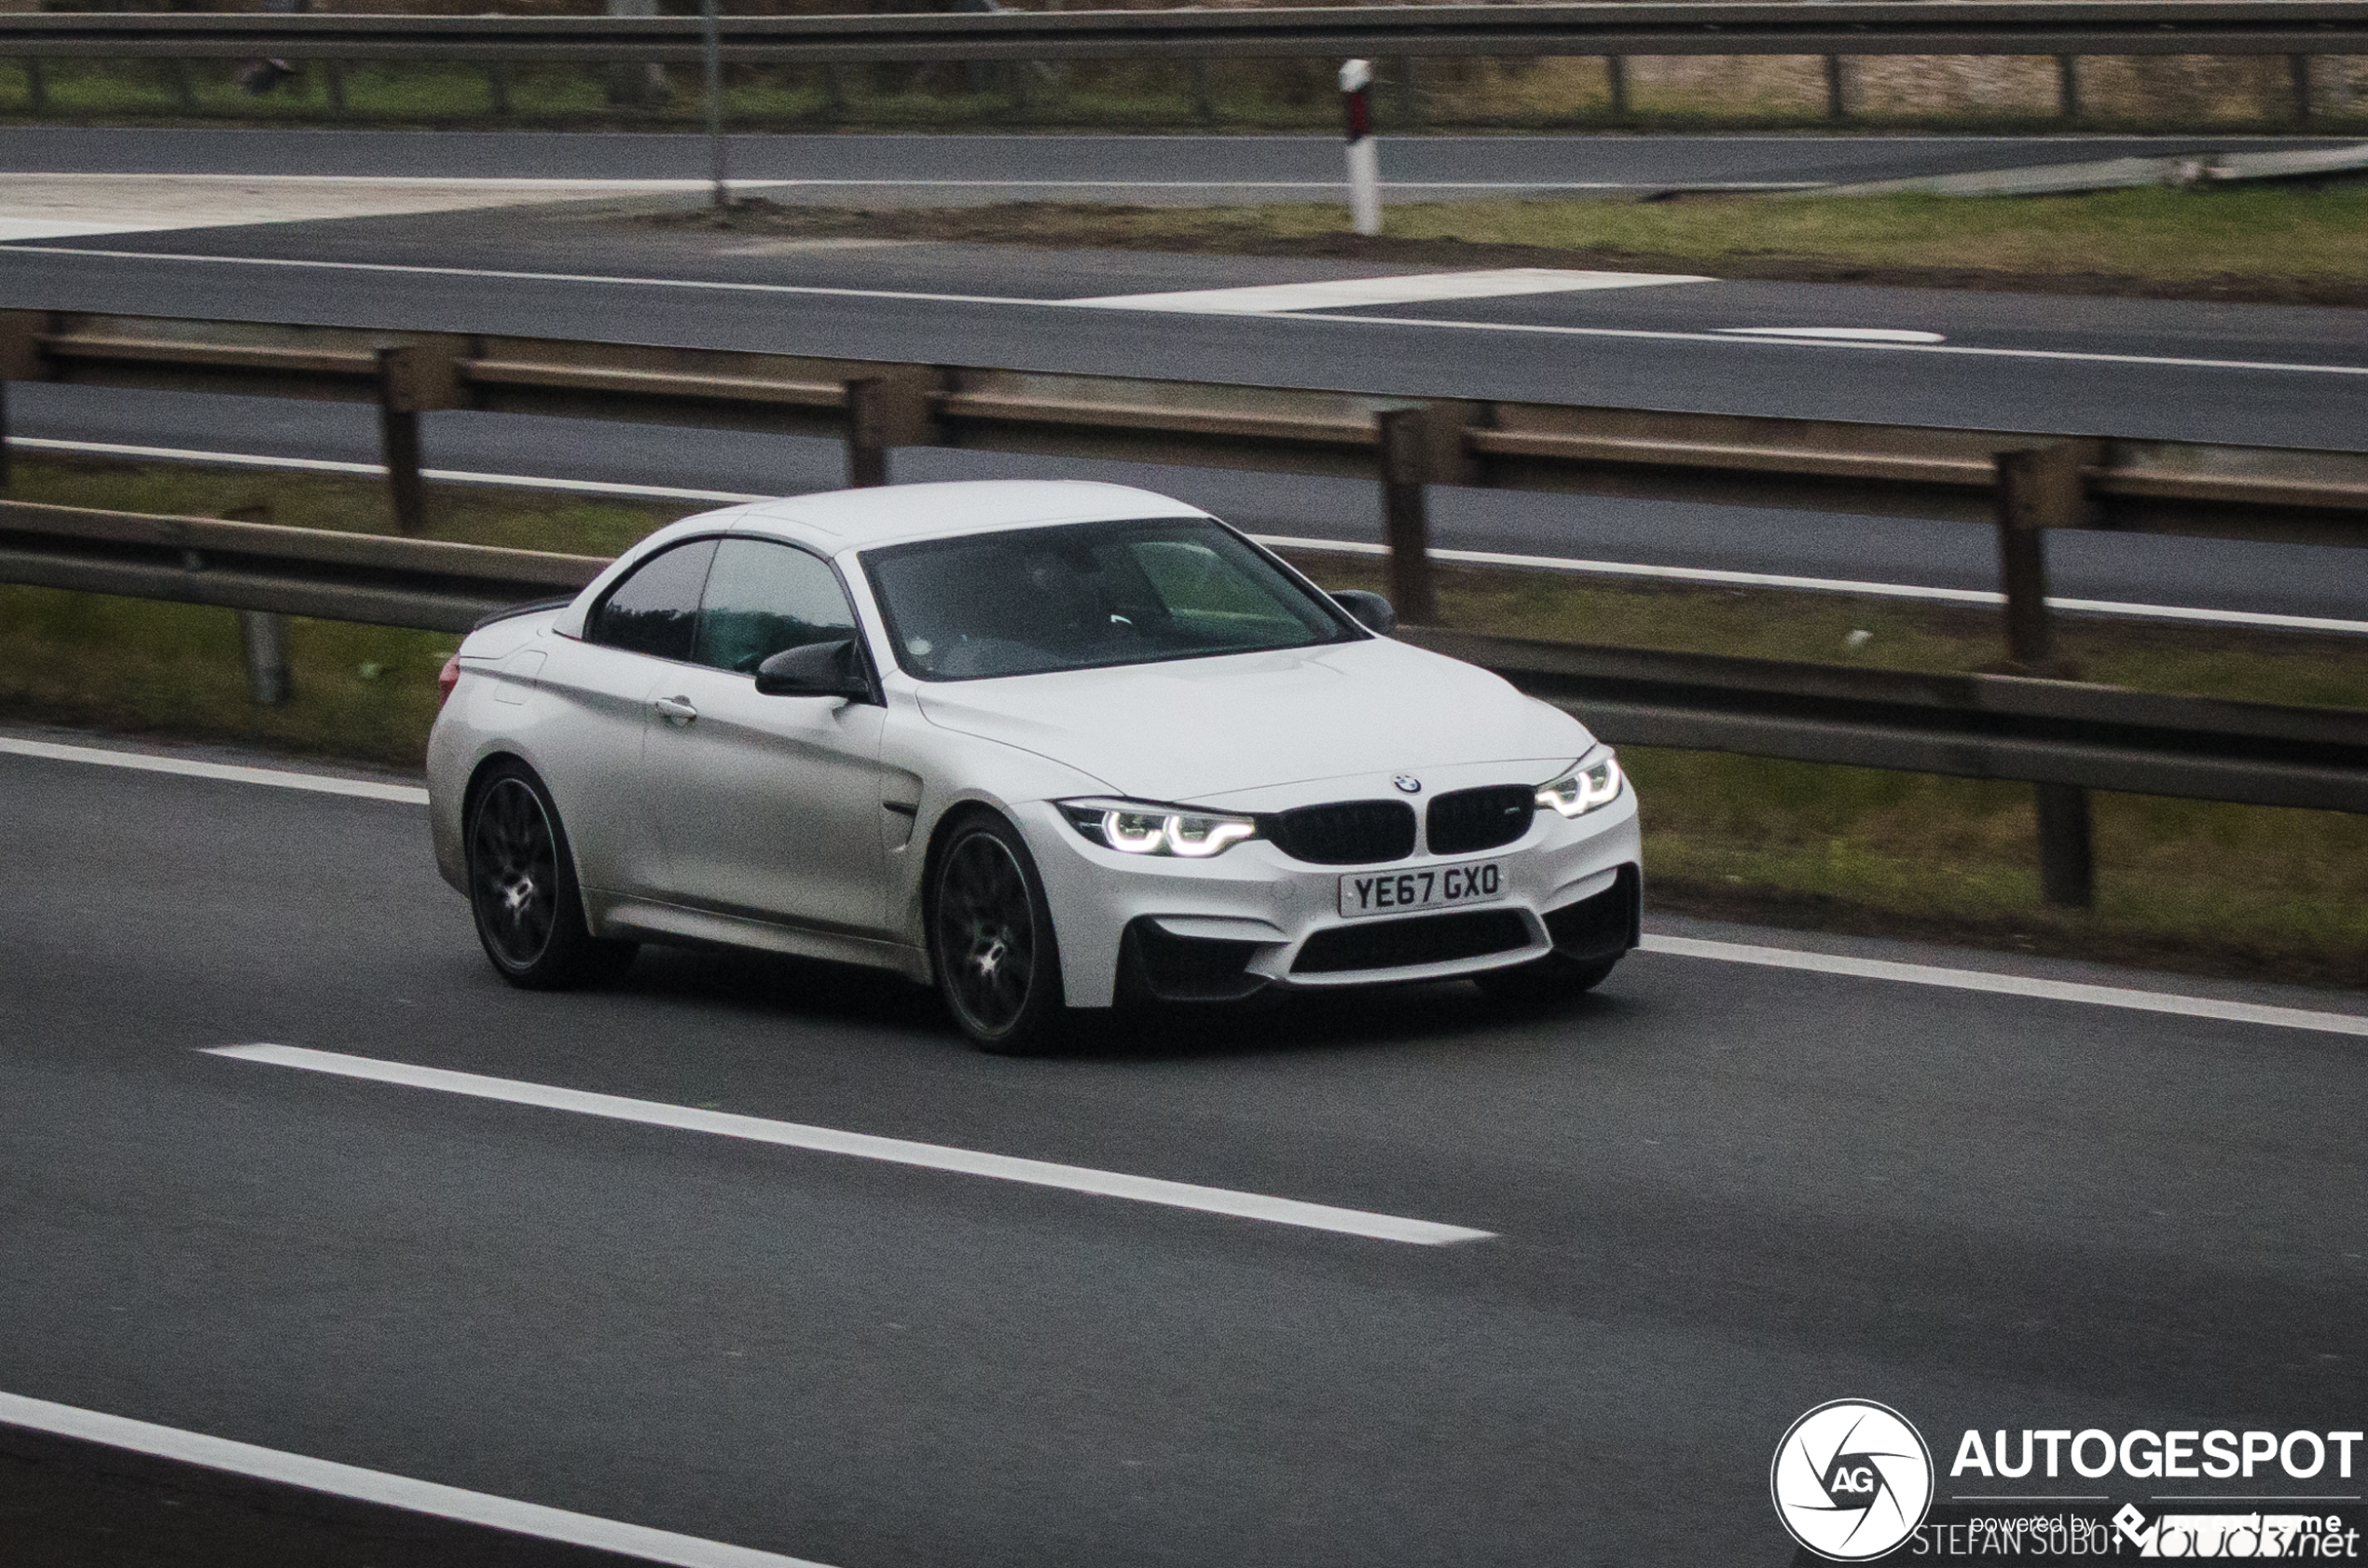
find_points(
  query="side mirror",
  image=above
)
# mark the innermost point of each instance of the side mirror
(817, 669)
(1373, 611)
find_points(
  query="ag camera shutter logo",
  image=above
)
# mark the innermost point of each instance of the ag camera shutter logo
(1851, 1479)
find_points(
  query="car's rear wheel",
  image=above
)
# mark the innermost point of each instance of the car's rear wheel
(991, 938)
(522, 889)
(1553, 978)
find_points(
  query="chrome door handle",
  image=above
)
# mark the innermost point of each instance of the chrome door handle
(676, 708)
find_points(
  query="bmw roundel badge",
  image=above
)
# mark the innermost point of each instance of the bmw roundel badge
(1408, 783)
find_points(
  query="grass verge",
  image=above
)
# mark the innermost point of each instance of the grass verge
(2283, 246)
(2184, 885)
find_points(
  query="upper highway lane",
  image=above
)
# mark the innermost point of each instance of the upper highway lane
(2265, 375)
(1720, 1194)
(886, 161)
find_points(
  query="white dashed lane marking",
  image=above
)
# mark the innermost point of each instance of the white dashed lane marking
(866, 1146)
(376, 1486)
(282, 778)
(1838, 334)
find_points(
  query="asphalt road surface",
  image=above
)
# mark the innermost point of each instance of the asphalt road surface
(1717, 1194)
(886, 161)
(2260, 375)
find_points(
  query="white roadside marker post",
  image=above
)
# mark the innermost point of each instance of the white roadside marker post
(1364, 165)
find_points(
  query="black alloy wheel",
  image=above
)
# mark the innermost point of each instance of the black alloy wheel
(522, 889)
(991, 938)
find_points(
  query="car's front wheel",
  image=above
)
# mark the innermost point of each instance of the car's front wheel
(991, 938)
(1553, 978)
(522, 889)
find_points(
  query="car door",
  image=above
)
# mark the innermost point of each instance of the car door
(769, 806)
(590, 753)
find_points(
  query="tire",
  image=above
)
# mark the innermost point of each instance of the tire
(1554, 978)
(991, 943)
(522, 889)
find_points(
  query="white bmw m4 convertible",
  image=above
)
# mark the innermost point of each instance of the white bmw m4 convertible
(1048, 745)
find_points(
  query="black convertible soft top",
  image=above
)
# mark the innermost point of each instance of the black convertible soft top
(515, 611)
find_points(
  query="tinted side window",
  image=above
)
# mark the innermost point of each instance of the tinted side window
(763, 597)
(655, 610)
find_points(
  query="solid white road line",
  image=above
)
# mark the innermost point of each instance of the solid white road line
(1408, 289)
(377, 471)
(1838, 334)
(2013, 985)
(1634, 334)
(1827, 585)
(282, 778)
(1325, 185)
(377, 1486)
(866, 1146)
(2172, 361)
(2264, 619)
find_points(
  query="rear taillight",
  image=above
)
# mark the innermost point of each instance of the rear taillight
(447, 677)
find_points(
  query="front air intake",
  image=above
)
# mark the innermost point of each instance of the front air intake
(1429, 938)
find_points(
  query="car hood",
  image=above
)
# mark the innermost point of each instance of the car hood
(1192, 728)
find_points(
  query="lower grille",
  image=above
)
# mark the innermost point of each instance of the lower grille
(1463, 820)
(1345, 832)
(1428, 939)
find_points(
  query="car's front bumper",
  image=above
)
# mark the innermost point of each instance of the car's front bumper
(1252, 917)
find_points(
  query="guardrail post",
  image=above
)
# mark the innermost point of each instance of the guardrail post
(36, 84)
(2298, 71)
(497, 86)
(265, 637)
(2067, 865)
(2068, 86)
(1616, 84)
(333, 72)
(1204, 95)
(2038, 489)
(410, 377)
(867, 433)
(1837, 88)
(883, 413)
(184, 86)
(636, 87)
(21, 360)
(1404, 437)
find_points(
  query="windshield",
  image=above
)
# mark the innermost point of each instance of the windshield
(1087, 595)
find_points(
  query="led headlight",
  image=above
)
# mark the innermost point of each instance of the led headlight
(1595, 781)
(1134, 828)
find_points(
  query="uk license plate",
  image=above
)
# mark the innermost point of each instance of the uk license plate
(1397, 892)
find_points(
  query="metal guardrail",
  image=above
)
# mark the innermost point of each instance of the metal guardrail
(1980, 726)
(427, 585)
(1969, 726)
(2025, 484)
(1615, 27)
(2284, 494)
